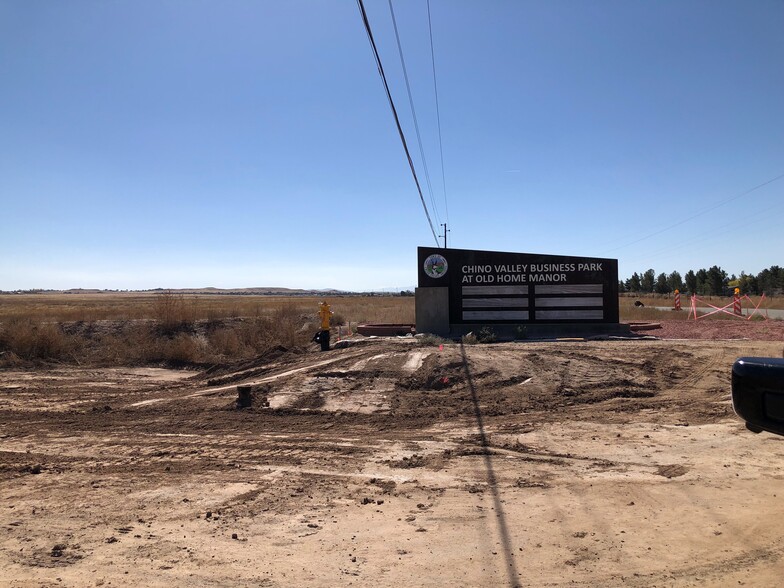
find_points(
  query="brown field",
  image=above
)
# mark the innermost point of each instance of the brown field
(177, 330)
(172, 329)
(390, 462)
(130, 306)
(56, 307)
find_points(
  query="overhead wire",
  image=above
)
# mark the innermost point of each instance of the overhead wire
(372, 41)
(413, 112)
(715, 233)
(438, 111)
(696, 215)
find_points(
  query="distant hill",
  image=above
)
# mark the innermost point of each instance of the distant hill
(254, 291)
(212, 291)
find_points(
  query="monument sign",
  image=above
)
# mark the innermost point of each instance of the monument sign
(495, 288)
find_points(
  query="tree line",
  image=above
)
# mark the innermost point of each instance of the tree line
(706, 282)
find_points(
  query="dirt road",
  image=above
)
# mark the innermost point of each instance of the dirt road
(394, 464)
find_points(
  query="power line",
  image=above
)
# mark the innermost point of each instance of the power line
(394, 113)
(697, 214)
(413, 112)
(438, 111)
(714, 233)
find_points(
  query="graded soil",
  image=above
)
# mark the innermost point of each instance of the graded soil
(392, 463)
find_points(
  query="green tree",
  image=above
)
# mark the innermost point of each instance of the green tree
(717, 281)
(661, 287)
(691, 282)
(702, 282)
(648, 281)
(748, 284)
(771, 280)
(633, 283)
(675, 282)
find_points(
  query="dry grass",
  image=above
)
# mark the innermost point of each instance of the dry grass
(175, 329)
(133, 306)
(170, 328)
(151, 342)
(30, 340)
(649, 312)
(627, 299)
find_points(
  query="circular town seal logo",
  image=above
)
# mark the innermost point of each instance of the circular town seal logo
(436, 265)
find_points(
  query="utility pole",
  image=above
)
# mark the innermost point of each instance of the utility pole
(445, 232)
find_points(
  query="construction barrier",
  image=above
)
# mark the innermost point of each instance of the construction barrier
(737, 309)
(677, 300)
(344, 331)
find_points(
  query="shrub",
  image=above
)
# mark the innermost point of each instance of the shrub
(169, 312)
(226, 343)
(469, 339)
(33, 341)
(430, 340)
(486, 335)
(183, 349)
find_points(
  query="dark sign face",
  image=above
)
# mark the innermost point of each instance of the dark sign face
(494, 287)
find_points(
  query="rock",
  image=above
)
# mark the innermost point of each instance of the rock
(57, 550)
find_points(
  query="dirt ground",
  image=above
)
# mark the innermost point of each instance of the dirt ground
(391, 463)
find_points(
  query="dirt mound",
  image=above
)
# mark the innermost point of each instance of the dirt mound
(238, 371)
(552, 378)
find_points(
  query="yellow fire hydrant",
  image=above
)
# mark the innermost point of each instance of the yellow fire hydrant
(323, 335)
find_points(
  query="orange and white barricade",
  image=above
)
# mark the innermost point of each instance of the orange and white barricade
(737, 310)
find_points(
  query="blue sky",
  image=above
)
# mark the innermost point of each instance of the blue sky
(249, 143)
